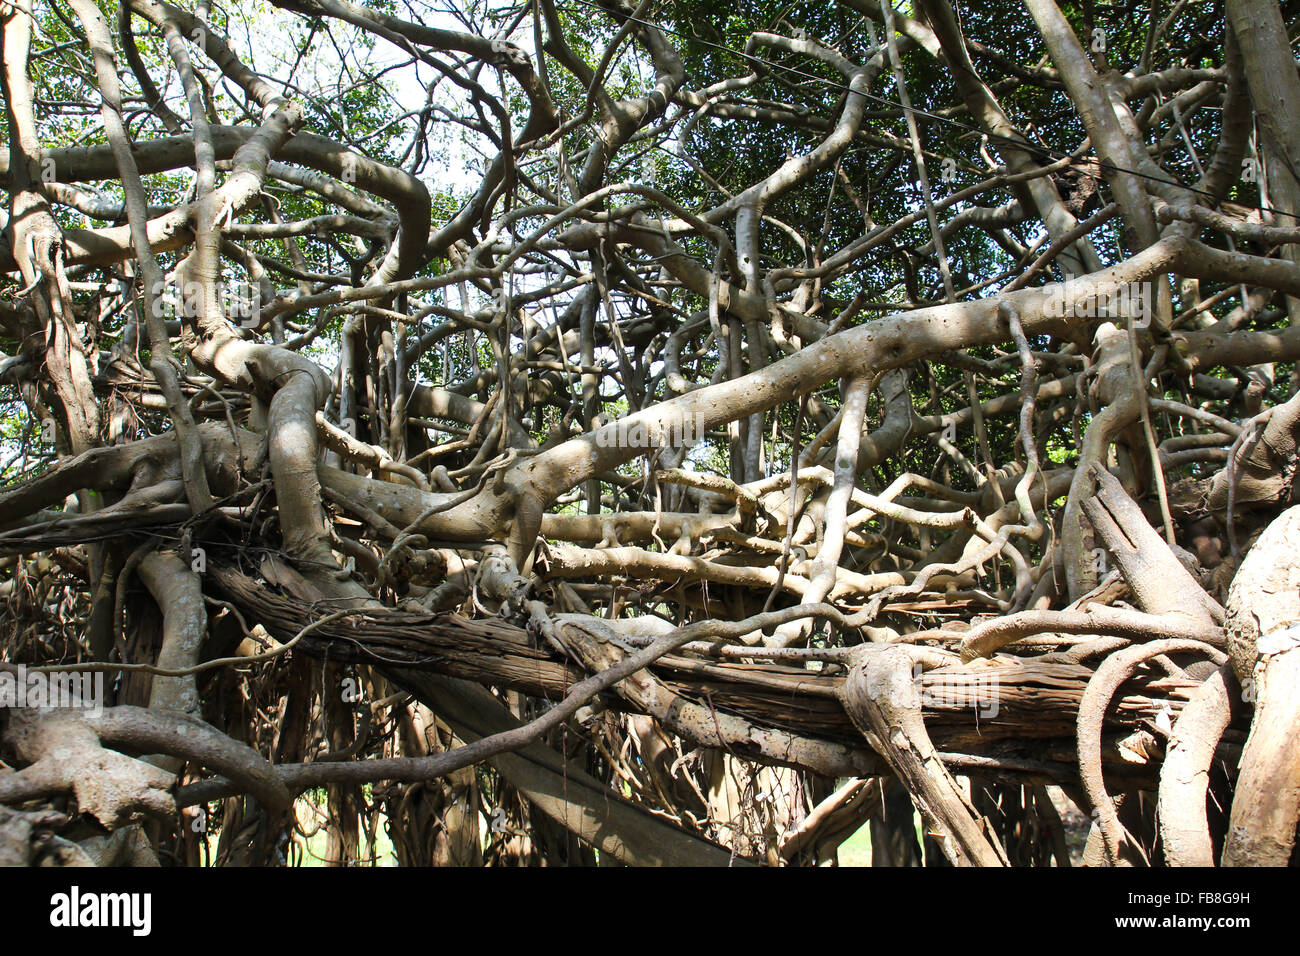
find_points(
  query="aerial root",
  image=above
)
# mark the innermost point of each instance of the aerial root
(1120, 848)
(882, 697)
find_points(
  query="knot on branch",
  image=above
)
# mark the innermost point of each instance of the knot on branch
(64, 754)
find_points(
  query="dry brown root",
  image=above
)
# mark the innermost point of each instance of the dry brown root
(1264, 643)
(127, 847)
(67, 751)
(1265, 470)
(990, 636)
(834, 820)
(882, 697)
(142, 472)
(1185, 774)
(1160, 582)
(1262, 827)
(559, 788)
(179, 594)
(704, 724)
(23, 831)
(1120, 849)
(65, 755)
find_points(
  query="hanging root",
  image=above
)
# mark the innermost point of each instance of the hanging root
(1185, 775)
(882, 697)
(1264, 643)
(1120, 848)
